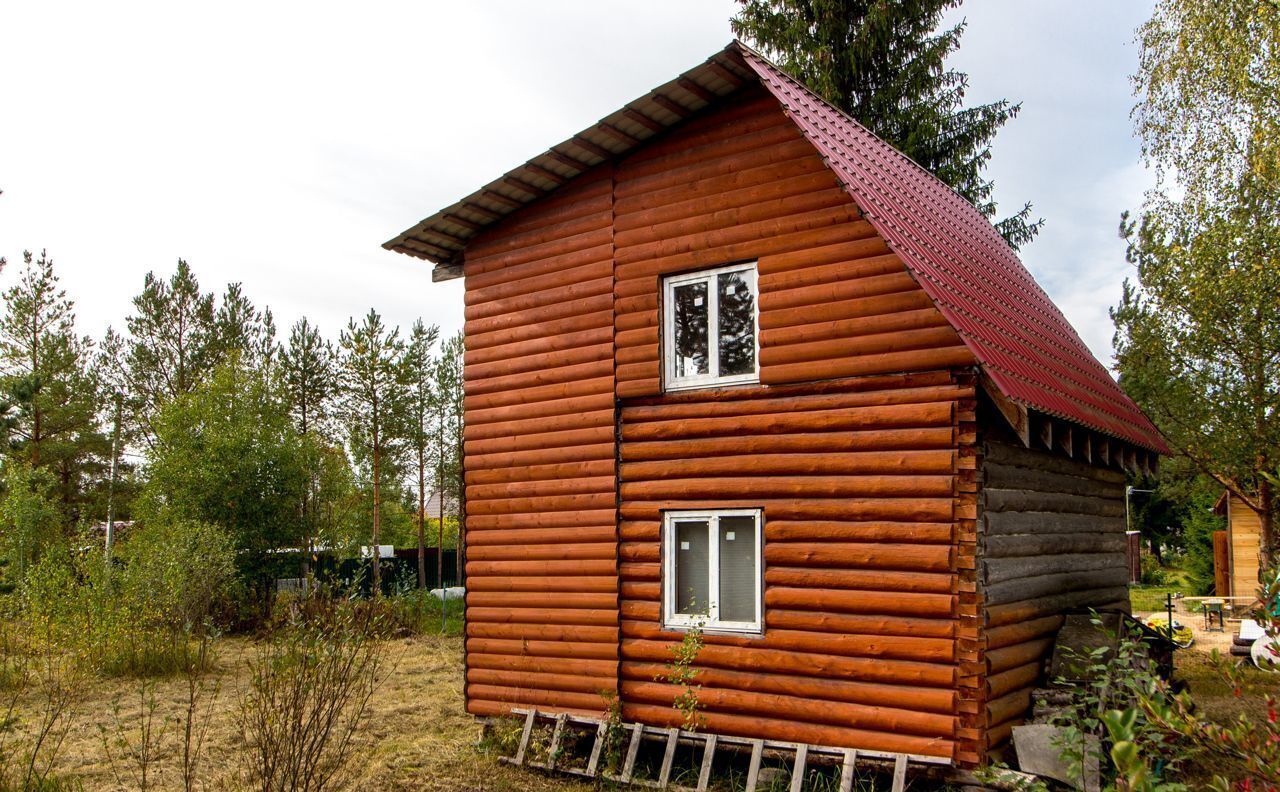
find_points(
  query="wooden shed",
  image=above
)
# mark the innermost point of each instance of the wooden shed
(1236, 569)
(733, 361)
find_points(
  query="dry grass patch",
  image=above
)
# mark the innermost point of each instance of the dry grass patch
(416, 734)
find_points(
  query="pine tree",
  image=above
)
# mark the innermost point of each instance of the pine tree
(372, 396)
(172, 343)
(48, 369)
(418, 367)
(448, 376)
(310, 384)
(883, 63)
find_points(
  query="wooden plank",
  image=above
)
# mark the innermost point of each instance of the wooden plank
(593, 764)
(899, 773)
(524, 737)
(557, 734)
(708, 758)
(669, 757)
(846, 769)
(799, 767)
(753, 770)
(633, 749)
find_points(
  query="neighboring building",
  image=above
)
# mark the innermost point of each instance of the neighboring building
(431, 508)
(734, 361)
(1236, 569)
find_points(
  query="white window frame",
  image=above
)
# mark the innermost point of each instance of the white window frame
(712, 377)
(711, 621)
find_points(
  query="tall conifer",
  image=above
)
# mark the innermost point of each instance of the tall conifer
(884, 63)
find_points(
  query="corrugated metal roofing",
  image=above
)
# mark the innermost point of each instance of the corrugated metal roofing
(1023, 341)
(1025, 344)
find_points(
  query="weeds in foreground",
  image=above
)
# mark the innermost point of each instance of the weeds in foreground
(307, 698)
(30, 748)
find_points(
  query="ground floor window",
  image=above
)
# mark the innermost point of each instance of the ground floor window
(711, 569)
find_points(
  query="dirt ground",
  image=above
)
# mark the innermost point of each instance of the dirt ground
(417, 735)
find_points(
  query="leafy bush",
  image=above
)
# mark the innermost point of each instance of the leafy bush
(1152, 573)
(30, 520)
(136, 617)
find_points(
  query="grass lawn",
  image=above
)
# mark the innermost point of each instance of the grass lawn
(1147, 599)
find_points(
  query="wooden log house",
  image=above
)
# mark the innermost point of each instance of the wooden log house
(731, 360)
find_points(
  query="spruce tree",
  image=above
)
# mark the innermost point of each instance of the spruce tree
(884, 63)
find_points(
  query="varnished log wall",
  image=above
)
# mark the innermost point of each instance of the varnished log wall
(856, 472)
(540, 456)
(743, 184)
(1053, 539)
(858, 483)
(860, 444)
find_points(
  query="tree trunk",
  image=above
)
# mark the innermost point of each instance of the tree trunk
(377, 517)
(440, 518)
(1266, 529)
(422, 518)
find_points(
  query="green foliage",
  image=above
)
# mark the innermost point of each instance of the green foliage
(227, 454)
(1196, 335)
(421, 408)
(1114, 679)
(49, 368)
(1206, 83)
(681, 671)
(884, 63)
(135, 618)
(1152, 574)
(448, 393)
(177, 335)
(30, 519)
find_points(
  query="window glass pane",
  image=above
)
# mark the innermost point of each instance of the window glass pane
(737, 323)
(689, 312)
(693, 568)
(738, 573)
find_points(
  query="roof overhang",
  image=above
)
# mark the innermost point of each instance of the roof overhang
(442, 237)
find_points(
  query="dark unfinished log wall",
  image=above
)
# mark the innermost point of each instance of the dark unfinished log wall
(856, 471)
(1053, 539)
(542, 588)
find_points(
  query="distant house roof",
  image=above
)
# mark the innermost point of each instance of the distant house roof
(432, 507)
(1024, 343)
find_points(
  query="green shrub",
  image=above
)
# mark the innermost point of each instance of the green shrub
(1152, 573)
(138, 615)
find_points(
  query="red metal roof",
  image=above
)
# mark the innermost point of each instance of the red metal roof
(1023, 341)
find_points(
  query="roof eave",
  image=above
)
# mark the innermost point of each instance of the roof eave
(443, 237)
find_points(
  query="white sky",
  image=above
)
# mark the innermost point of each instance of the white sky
(279, 144)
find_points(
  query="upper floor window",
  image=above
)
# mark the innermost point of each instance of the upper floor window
(709, 327)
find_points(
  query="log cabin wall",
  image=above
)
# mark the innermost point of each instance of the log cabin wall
(857, 471)
(540, 456)
(1052, 539)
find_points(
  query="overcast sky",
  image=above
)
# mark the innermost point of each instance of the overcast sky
(280, 144)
